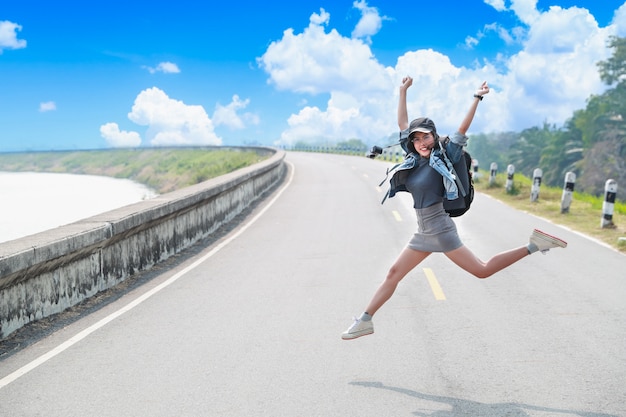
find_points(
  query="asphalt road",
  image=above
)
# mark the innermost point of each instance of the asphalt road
(250, 325)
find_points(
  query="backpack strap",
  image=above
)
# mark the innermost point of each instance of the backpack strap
(385, 197)
(385, 180)
(450, 166)
(387, 173)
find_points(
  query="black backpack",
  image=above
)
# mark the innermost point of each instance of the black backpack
(465, 183)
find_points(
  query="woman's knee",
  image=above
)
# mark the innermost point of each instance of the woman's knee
(465, 259)
(394, 275)
(479, 270)
(482, 274)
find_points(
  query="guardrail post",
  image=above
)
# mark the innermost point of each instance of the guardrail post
(493, 170)
(610, 191)
(510, 172)
(568, 190)
(534, 190)
(475, 173)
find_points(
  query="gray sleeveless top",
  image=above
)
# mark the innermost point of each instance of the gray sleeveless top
(425, 185)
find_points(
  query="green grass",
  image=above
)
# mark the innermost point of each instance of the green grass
(162, 169)
(585, 212)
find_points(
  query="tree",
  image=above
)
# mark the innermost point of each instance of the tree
(561, 154)
(493, 147)
(603, 124)
(352, 145)
(525, 154)
(613, 70)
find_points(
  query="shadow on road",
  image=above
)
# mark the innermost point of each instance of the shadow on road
(461, 407)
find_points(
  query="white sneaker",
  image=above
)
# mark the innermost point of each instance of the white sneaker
(544, 242)
(359, 328)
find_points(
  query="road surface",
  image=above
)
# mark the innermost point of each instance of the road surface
(250, 325)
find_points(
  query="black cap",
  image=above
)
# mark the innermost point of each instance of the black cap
(422, 124)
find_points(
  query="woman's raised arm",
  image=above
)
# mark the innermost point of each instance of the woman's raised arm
(403, 116)
(478, 96)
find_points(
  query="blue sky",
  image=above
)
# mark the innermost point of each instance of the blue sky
(153, 73)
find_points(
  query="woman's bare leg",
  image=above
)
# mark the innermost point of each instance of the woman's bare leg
(407, 260)
(464, 258)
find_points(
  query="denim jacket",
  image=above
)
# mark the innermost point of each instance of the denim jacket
(453, 149)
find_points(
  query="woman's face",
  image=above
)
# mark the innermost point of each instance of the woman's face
(423, 143)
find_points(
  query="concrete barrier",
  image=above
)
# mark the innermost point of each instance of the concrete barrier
(48, 272)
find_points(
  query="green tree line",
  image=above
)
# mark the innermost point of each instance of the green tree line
(591, 144)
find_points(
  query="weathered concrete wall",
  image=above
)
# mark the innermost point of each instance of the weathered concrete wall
(48, 272)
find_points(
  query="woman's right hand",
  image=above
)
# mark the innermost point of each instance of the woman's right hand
(406, 83)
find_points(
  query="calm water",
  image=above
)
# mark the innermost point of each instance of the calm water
(34, 202)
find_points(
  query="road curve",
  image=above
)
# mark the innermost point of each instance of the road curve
(250, 325)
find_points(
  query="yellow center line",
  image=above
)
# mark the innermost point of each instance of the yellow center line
(434, 284)
(396, 215)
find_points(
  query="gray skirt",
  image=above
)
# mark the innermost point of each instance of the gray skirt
(436, 231)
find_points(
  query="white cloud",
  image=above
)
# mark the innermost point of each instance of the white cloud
(320, 19)
(509, 37)
(556, 71)
(164, 67)
(8, 36)
(119, 138)
(228, 116)
(370, 23)
(496, 4)
(47, 106)
(172, 122)
(619, 21)
(560, 31)
(317, 62)
(341, 119)
(525, 10)
(550, 77)
(471, 41)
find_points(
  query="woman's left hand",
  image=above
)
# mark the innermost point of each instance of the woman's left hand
(483, 89)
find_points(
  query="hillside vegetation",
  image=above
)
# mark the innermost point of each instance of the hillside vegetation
(162, 169)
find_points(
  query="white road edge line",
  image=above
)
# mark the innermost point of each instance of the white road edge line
(83, 334)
